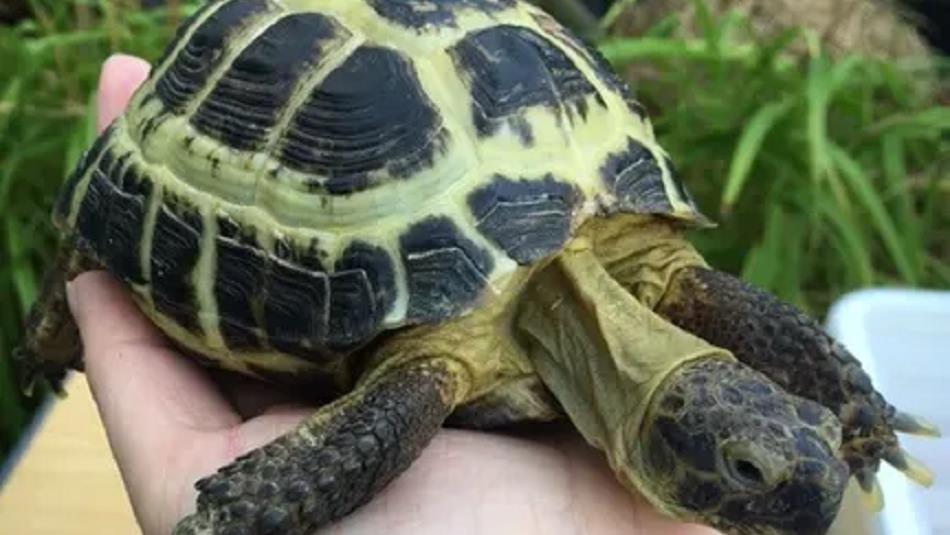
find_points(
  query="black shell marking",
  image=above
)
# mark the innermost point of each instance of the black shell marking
(352, 314)
(64, 201)
(238, 281)
(529, 219)
(636, 179)
(175, 251)
(90, 223)
(302, 311)
(680, 186)
(363, 291)
(183, 30)
(112, 216)
(121, 244)
(203, 52)
(594, 58)
(446, 271)
(368, 114)
(420, 14)
(510, 68)
(326, 106)
(598, 63)
(296, 309)
(308, 257)
(247, 101)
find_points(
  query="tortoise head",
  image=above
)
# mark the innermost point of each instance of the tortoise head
(725, 446)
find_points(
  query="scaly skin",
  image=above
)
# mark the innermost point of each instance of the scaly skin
(333, 462)
(702, 436)
(791, 349)
(730, 447)
(654, 262)
(51, 343)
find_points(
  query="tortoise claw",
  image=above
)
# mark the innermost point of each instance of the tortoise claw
(915, 470)
(914, 425)
(872, 495)
(33, 379)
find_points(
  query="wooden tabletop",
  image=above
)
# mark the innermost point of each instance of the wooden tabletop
(67, 482)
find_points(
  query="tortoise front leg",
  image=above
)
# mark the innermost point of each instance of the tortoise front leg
(794, 351)
(704, 438)
(334, 461)
(51, 343)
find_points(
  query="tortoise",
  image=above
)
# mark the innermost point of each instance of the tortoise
(454, 212)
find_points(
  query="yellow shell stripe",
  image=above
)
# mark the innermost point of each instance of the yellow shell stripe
(219, 179)
(280, 203)
(126, 142)
(177, 184)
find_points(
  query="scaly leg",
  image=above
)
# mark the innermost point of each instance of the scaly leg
(704, 438)
(655, 263)
(334, 461)
(51, 343)
(794, 351)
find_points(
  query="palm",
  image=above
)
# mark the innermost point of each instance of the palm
(169, 424)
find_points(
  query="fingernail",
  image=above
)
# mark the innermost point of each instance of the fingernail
(121, 74)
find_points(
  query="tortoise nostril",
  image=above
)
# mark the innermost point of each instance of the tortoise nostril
(749, 472)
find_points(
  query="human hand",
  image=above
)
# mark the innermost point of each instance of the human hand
(169, 424)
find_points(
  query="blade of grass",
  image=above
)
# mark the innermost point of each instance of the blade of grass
(747, 150)
(941, 268)
(854, 252)
(616, 9)
(8, 104)
(627, 50)
(863, 189)
(895, 175)
(24, 279)
(928, 122)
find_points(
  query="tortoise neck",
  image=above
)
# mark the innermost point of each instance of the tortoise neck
(601, 352)
(642, 252)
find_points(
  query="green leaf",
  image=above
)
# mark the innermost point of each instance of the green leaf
(747, 150)
(616, 9)
(627, 50)
(867, 196)
(852, 247)
(8, 103)
(24, 279)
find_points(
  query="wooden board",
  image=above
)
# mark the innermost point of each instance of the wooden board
(67, 482)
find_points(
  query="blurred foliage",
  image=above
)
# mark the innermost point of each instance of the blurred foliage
(49, 66)
(828, 175)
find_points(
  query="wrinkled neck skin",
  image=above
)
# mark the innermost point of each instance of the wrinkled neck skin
(644, 252)
(604, 353)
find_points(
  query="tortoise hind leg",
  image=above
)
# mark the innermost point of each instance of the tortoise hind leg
(793, 350)
(335, 460)
(51, 343)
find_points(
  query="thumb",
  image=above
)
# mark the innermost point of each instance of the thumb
(121, 76)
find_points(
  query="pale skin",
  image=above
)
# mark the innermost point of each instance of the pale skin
(169, 423)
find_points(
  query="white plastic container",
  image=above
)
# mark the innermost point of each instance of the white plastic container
(902, 338)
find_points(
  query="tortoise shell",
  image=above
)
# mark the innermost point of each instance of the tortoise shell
(297, 176)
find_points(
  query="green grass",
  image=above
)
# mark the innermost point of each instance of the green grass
(825, 175)
(49, 67)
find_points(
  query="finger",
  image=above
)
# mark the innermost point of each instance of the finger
(156, 406)
(121, 76)
(134, 374)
